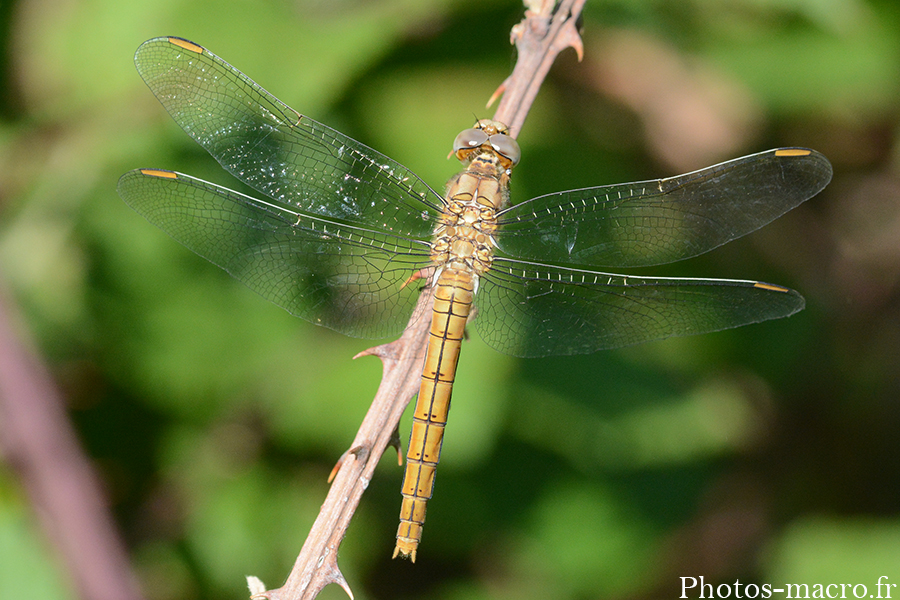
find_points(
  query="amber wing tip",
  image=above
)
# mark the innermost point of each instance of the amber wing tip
(186, 44)
(791, 152)
(771, 287)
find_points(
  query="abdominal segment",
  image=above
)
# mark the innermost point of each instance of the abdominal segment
(452, 305)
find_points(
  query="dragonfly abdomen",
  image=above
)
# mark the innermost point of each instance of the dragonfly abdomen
(453, 296)
(462, 250)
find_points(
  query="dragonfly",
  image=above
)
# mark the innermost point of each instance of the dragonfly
(339, 231)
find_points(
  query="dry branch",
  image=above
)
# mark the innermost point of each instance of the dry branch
(545, 31)
(39, 443)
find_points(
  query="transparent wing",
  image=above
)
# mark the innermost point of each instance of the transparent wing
(527, 309)
(656, 222)
(276, 150)
(341, 276)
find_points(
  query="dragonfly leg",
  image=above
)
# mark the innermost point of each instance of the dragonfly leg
(420, 274)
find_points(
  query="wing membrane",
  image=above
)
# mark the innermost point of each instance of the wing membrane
(276, 150)
(660, 221)
(347, 226)
(530, 310)
(341, 276)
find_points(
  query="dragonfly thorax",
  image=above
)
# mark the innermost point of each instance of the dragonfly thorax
(464, 238)
(464, 235)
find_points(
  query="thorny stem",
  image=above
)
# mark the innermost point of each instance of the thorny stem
(539, 38)
(545, 31)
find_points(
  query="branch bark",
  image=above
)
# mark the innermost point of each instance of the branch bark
(545, 31)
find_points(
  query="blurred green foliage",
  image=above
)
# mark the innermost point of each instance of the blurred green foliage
(766, 453)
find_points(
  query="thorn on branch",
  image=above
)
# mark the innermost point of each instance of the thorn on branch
(357, 451)
(343, 583)
(397, 445)
(497, 93)
(256, 586)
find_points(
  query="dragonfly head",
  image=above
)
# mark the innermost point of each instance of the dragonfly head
(490, 137)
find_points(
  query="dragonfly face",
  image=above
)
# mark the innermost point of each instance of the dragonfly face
(339, 228)
(489, 136)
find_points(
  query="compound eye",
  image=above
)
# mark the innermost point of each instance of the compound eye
(469, 138)
(506, 146)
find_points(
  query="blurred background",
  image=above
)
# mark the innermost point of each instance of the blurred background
(766, 454)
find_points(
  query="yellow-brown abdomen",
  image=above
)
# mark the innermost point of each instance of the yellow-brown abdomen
(453, 295)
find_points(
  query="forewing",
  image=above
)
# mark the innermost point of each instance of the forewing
(276, 150)
(530, 310)
(660, 221)
(348, 278)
